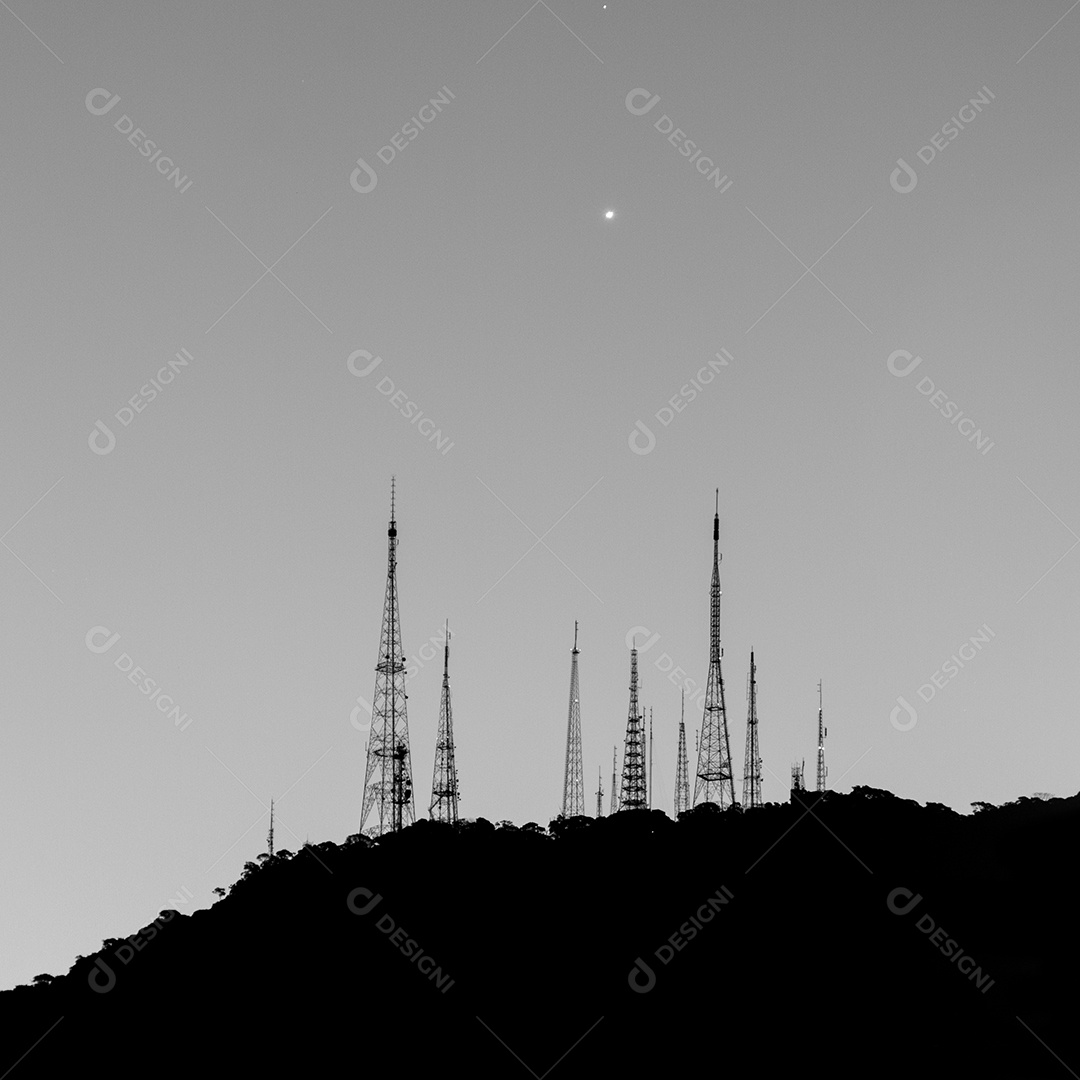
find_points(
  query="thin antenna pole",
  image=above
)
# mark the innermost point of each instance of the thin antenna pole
(650, 758)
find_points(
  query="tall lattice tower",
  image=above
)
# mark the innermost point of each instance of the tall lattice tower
(715, 782)
(634, 793)
(270, 835)
(573, 797)
(614, 782)
(391, 790)
(682, 769)
(751, 781)
(600, 792)
(822, 731)
(444, 780)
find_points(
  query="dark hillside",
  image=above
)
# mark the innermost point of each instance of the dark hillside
(786, 939)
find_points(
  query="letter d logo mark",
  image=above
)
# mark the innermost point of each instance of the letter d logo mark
(363, 354)
(640, 110)
(92, 442)
(96, 631)
(368, 895)
(362, 704)
(912, 716)
(641, 968)
(100, 110)
(634, 442)
(900, 373)
(354, 179)
(906, 894)
(897, 186)
(95, 984)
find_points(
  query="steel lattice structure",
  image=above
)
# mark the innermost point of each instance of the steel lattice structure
(797, 770)
(614, 782)
(682, 769)
(714, 780)
(388, 779)
(633, 794)
(751, 784)
(573, 799)
(444, 780)
(822, 731)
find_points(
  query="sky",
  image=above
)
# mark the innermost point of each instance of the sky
(819, 255)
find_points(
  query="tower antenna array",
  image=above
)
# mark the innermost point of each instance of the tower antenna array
(444, 780)
(634, 793)
(573, 800)
(822, 731)
(751, 791)
(388, 778)
(714, 780)
(682, 768)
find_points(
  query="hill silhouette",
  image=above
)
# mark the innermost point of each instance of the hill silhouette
(841, 935)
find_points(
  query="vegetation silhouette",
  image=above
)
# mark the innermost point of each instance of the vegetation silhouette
(786, 938)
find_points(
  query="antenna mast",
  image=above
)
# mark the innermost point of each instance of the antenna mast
(822, 772)
(444, 781)
(634, 795)
(388, 746)
(270, 837)
(600, 792)
(573, 800)
(682, 768)
(650, 758)
(614, 785)
(751, 792)
(715, 781)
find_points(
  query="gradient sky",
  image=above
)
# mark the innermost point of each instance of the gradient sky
(235, 535)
